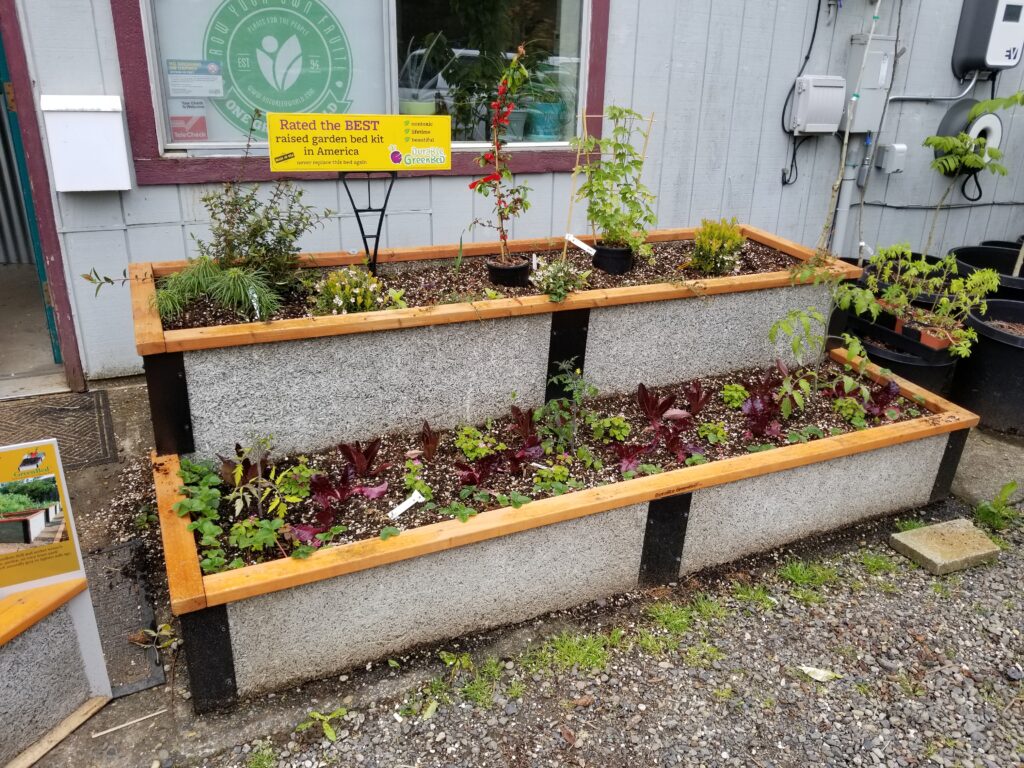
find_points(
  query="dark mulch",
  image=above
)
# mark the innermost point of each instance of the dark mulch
(366, 518)
(441, 282)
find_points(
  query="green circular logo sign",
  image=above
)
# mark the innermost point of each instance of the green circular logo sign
(278, 56)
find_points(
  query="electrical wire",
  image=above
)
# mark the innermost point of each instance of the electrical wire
(925, 207)
(977, 184)
(790, 176)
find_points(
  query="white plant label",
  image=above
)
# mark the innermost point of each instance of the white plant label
(416, 498)
(588, 249)
(533, 262)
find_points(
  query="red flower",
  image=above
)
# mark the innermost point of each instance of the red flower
(485, 180)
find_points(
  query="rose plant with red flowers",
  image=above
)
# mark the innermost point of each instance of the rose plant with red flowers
(510, 199)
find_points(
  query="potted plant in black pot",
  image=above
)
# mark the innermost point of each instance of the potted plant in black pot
(619, 206)
(510, 199)
(918, 308)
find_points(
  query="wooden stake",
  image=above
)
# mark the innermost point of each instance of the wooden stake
(130, 722)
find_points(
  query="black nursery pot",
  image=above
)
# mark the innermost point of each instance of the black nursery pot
(613, 260)
(515, 275)
(1001, 244)
(991, 381)
(930, 368)
(1002, 260)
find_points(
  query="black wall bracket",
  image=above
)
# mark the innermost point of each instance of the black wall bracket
(168, 402)
(662, 554)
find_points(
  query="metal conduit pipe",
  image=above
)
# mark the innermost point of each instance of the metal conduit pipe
(967, 90)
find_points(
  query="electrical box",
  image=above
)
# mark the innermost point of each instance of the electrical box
(990, 36)
(891, 158)
(817, 104)
(874, 83)
(87, 143)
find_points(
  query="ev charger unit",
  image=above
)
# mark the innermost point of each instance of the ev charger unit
(818, 102)
(990, 36)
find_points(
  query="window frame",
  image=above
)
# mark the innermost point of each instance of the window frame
(157, 164)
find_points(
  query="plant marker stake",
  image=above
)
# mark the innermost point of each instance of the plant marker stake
(130, 722)
(416, 498)
(570, 238)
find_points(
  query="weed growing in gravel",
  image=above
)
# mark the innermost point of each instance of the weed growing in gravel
(804, 574)
(655, 645)
(888, 588)
(806, 596)
(864, 689)
(480, 690)
(675, 619)
(568, 651)
(767, 703)
(725, 693)
(998, 514)
(262, 756)
(516, 689)
(707, 608)
(910, 687)
(701, 655)
(324, 721)
(941, 589)
(758, 595)
(875, 563)
(908, 525)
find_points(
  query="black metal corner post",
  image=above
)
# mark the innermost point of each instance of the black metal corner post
(568, 343)
(168, 402)
(369, 208)
(947, 466)
(662, 554)
(211, 662)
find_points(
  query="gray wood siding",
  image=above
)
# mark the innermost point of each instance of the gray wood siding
(714, 74)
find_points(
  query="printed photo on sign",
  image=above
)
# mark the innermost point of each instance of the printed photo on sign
(187, 77)
(37, 535)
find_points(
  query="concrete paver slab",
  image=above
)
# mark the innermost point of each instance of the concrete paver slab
(945, 547)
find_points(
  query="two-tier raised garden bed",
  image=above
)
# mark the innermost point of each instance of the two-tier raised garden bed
(283, 621)
(312, 381)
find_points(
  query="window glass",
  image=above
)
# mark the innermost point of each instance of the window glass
(450, 54)
(220, 60)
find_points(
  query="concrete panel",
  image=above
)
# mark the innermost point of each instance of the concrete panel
(43, 682)
(325, 627)
(311, 394)
(731, 521)
(668, 341)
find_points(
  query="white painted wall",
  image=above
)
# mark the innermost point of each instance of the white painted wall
(714, 73)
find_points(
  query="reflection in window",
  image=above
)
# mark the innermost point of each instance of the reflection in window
(451, 53)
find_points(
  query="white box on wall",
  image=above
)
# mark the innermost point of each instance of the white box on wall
(87, 143)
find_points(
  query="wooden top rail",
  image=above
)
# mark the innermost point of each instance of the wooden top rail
(191, 591)
(151, 339)
(23, 610)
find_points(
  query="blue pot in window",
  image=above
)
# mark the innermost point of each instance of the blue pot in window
(545, 121)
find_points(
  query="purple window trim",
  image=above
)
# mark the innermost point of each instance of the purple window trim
(153, 168)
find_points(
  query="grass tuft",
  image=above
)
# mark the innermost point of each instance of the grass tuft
(753, 595)
(875, 563)
(675, 619)
(807, 574)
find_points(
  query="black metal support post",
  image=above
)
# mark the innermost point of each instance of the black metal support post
(369, 208)
(662, 553)
(211, 662)
(568, 343)
(950, 461)
(168, 402)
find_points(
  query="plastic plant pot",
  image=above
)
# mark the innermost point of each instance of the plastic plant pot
(545, 123)
(991, 381)
(613, 260)
(931, 368)
(1001, 244)
(514, 275)
(1002, 260)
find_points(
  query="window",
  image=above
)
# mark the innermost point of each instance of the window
(214, 63)
(451, 51)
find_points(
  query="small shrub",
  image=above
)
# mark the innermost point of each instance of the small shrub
(716, 246)
(350, 289)
(558, 279)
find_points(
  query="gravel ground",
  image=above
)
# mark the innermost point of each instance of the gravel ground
(707, 673)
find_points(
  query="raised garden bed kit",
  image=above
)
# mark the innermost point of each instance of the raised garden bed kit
(314, 381)
(280, 620)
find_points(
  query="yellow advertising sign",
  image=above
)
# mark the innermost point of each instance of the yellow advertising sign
(332, 142)
(37, 534)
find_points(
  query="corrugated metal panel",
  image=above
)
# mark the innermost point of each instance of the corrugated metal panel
(15, 245)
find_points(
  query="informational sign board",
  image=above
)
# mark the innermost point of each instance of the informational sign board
(37, 532)
(343, 142)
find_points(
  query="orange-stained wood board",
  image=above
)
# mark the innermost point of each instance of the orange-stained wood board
(284, 573)
(22, 610)
(184, 577)
(152, 339)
